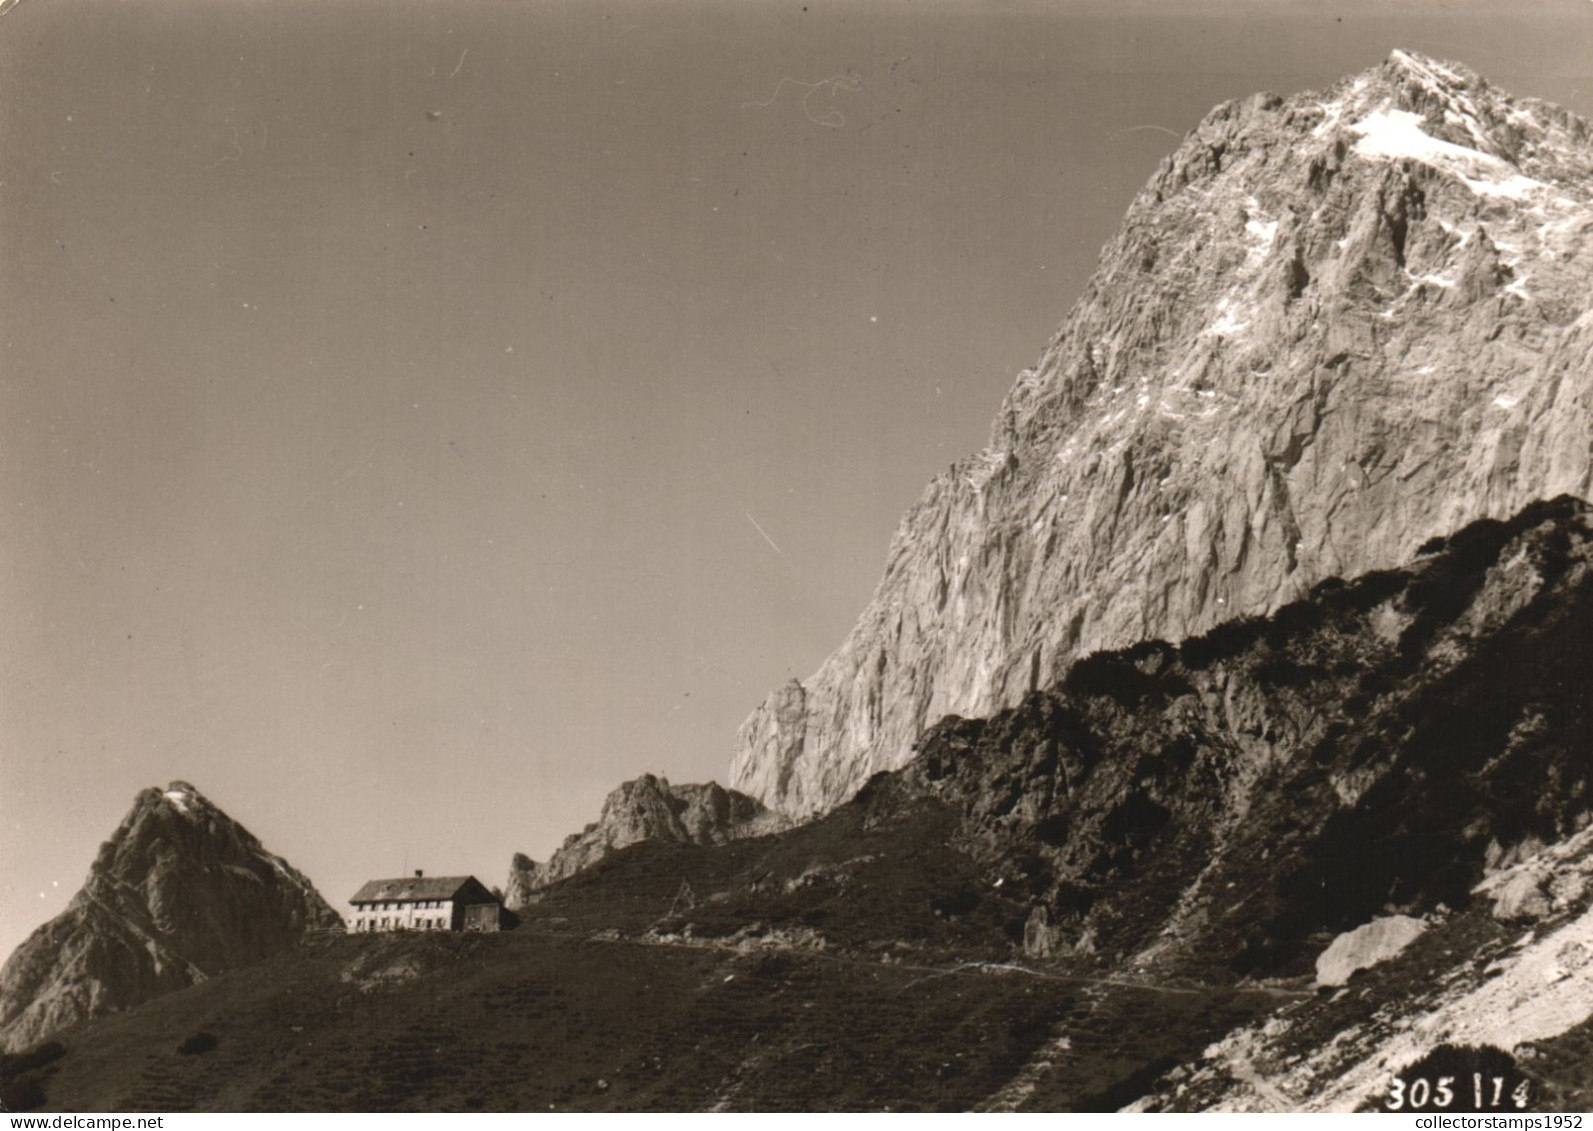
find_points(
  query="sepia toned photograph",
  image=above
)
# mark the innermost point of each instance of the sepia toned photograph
(796, 556)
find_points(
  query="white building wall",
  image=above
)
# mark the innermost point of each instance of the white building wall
(426, 915)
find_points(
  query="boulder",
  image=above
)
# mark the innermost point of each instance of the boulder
(1367, 945)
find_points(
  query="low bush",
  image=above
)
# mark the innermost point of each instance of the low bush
(197, 1044)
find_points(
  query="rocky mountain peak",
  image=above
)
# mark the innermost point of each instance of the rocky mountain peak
(1331, 327)
(647, 808)
(179, 892)
(1459, 107)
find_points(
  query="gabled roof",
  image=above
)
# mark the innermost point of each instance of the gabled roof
(412, 889)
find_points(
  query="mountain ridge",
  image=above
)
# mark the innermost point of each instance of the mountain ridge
(1242, 403)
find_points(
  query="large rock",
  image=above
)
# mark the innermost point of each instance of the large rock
(1522, 899)
(1366, 946)
(648, 808)
(179, 893)
(1332, 327)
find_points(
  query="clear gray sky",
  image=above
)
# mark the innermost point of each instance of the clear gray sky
(420, 417)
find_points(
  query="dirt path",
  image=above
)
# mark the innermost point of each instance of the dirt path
(1011, 1095)
(932, 971)
(1244, 1071)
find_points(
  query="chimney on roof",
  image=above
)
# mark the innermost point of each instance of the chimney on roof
(419, 873)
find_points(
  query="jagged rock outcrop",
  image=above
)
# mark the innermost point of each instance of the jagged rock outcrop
(647, 808)
(179, 893)
(1331, 327)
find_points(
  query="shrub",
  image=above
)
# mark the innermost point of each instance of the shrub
(197, 1044)
(1053, 830)
(1112, 675)
(15, 1064)
(954, 903)
(21, 1094)
(1223, 642)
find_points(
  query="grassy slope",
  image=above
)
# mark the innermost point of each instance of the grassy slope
(527, 1021)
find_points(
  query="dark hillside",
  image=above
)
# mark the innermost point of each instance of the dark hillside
(1362, 751)
(532, 1022)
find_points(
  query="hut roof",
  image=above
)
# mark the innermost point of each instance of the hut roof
(413, 889)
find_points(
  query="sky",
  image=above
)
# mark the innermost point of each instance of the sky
(418, 418)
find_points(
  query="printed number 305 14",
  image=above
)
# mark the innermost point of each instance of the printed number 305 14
(1484, 1092)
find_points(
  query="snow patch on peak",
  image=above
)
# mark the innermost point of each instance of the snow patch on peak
(185, 798)
(1227, 323)
(1396, 134)
(1261, 232)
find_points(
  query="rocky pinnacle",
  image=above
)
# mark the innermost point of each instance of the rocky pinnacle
(179, 893)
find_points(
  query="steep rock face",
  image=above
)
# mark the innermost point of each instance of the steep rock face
(648, 808)
(1331, 327)
(179, 893)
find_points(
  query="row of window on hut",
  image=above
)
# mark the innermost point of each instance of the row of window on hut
(426, 903)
